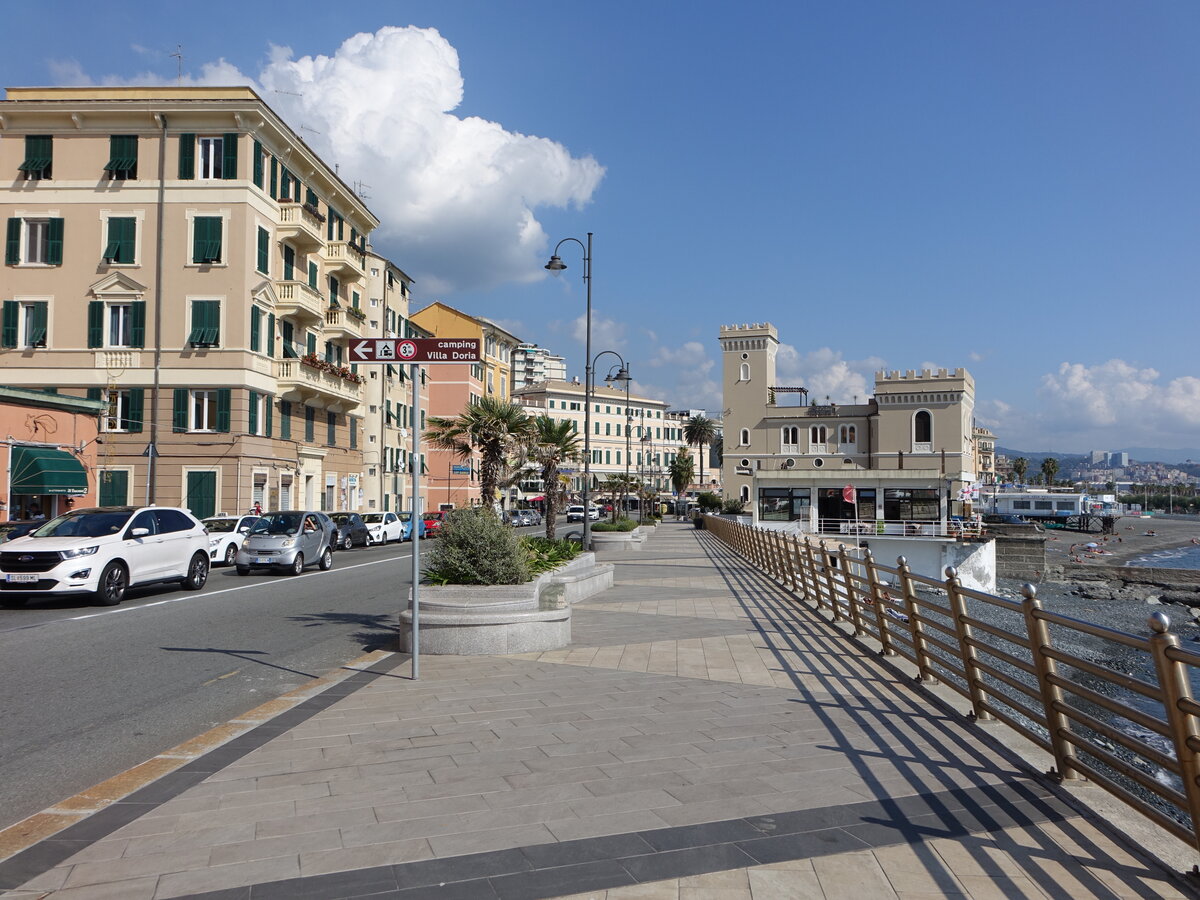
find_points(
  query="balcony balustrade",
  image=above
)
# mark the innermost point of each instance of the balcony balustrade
(302, 383)
(300, 227)
(298, 300)
(344, 261)
(342, 322)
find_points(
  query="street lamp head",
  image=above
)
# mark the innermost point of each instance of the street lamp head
(556, 264)
(622, 376)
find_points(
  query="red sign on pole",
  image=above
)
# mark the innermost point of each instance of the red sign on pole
(414, 350)
(848, 493)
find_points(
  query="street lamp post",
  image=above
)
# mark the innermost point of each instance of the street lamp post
(621, 375)
(557, 265)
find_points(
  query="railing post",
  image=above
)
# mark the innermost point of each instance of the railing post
(915, 629)
(813, 577)
(966, 648)
(1185, 731)
(831, 590)
(851, 594)
(785, 549)
(881, 617)
(1057, 724)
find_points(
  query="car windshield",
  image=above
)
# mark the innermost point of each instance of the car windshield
(85, 523)
(278, 523)
(373, 518)
(216, 526)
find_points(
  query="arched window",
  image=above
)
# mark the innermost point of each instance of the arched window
(923, 427)
(817, 435)
(745, 373)
(744, 438)
(847, 434)
(746, 493)
(789, 437)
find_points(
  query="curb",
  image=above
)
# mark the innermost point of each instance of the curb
(67, 812)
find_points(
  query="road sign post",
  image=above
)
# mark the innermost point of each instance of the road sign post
(414, 352)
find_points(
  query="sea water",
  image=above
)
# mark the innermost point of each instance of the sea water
(1178, 558)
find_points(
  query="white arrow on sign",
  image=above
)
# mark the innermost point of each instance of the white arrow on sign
(362, 349)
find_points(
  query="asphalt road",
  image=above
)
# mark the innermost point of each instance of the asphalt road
(88, 692)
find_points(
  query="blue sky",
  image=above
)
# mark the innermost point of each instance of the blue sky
(1007, 187)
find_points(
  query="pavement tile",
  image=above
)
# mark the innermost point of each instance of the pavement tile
(606, 825)
(213, 878)
(350, 859)
(283, 845)
(302, 824)
(130, 889)
(124, 869)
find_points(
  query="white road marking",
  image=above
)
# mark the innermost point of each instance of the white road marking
(195, 597)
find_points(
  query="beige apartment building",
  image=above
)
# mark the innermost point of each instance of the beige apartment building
(182, 255)
(388, 429)
(905, 452)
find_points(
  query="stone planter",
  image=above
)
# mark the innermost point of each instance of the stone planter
(619, 540)
(473, 619)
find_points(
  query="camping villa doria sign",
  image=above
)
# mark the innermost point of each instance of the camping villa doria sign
(414, 350)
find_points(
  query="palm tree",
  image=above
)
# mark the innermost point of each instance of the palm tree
(1020, 466)
(498, 429)
(553, 444)
(699, 431)
(1049, 470)
(681, 471)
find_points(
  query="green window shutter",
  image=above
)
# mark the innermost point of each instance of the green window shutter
(122, 156)
(199, 238)
(270, 407)
(353, 425)
(95, 325)
(121, 234)
(285, 183)
(255, 327)
(223, 399)
(137, 405)
(354, 300)
(285, 420)
(93, 393)
(312, 344)
(229, 152)
(331, 429)
(12, 243)
(54, 249)
(8, 330)
(253, 423)
(312, 275)
(258, 164)
(289, 263)
(264, 250)
(137, 324)
(37, 325)
(310, 424)
(206, 239)
(187, 156)
(274, 178)
(39, 155)
(179, 410)
(270, 334)
(329, 224)
(206, 323)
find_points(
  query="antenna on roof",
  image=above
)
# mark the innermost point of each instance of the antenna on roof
(292, 93)
(178, 56)
(358, 189)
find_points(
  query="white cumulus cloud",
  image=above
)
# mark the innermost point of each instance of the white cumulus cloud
(457, 196)
(827, 374)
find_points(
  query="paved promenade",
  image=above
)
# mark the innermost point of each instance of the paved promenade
(702, 737)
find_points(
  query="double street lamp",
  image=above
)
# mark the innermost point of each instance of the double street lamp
(621, 375)
(557, 265)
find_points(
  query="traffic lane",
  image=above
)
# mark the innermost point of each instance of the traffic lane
(88, 698)
(40, 610)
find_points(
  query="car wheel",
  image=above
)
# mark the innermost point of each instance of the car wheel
(114, 582)
(369, 540)
(243, 570)
(326, 561)
(298, 564)
(347, 543)
(230, 554)
(197, 575)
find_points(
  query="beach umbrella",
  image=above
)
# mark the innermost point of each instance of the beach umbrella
(1091, 545)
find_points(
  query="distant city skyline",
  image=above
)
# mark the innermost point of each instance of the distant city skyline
(1009, 188)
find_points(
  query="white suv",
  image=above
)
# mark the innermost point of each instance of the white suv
(103, 552)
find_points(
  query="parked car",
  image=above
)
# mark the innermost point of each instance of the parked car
(526, 516)
(535, 516)
(225, 536)
(385, 527)
(289, 540)
(514, 518)
(574, 513)
(15, 528)
(104, 552)
(433, 523)
(406, 519)
(352, 531)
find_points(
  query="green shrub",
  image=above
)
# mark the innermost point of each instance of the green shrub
(621, 524)
(475, 548)
(709, 502)
(545, 554)
(733, 506)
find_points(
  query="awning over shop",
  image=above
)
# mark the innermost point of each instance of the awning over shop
(42, 470)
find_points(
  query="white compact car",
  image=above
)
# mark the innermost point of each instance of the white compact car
(103, 552)
(384, 527)
(225, 536)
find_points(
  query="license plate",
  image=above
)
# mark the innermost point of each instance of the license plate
(264, 560)
(30, 578)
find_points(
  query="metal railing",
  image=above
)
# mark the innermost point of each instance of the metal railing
(1132, 730)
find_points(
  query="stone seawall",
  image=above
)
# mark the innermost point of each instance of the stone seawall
(1020, 551)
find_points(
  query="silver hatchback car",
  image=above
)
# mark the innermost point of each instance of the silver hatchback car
(289, 540)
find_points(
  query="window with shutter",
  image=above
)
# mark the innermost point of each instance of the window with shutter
(9, 329)
(312, 275)
(54, 242)
(119, 248)
(12, 243)
(253, 419)
(270, 334)
(255, 328)
(39, 157)
(187, 157)
(257, 173)
(285, 419)
(264, 250)
(206, 239)
(206, 323)
(137, 324)
(36, 317)
(122, 157)
(229, 161)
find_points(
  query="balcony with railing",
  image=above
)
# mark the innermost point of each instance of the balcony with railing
(298, 300)
(300, 226)
(345, 261)
(344, 321)
(316, 383)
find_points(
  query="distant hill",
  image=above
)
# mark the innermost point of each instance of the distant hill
(1035, 457)
(1158, 454)
(1136, 454)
